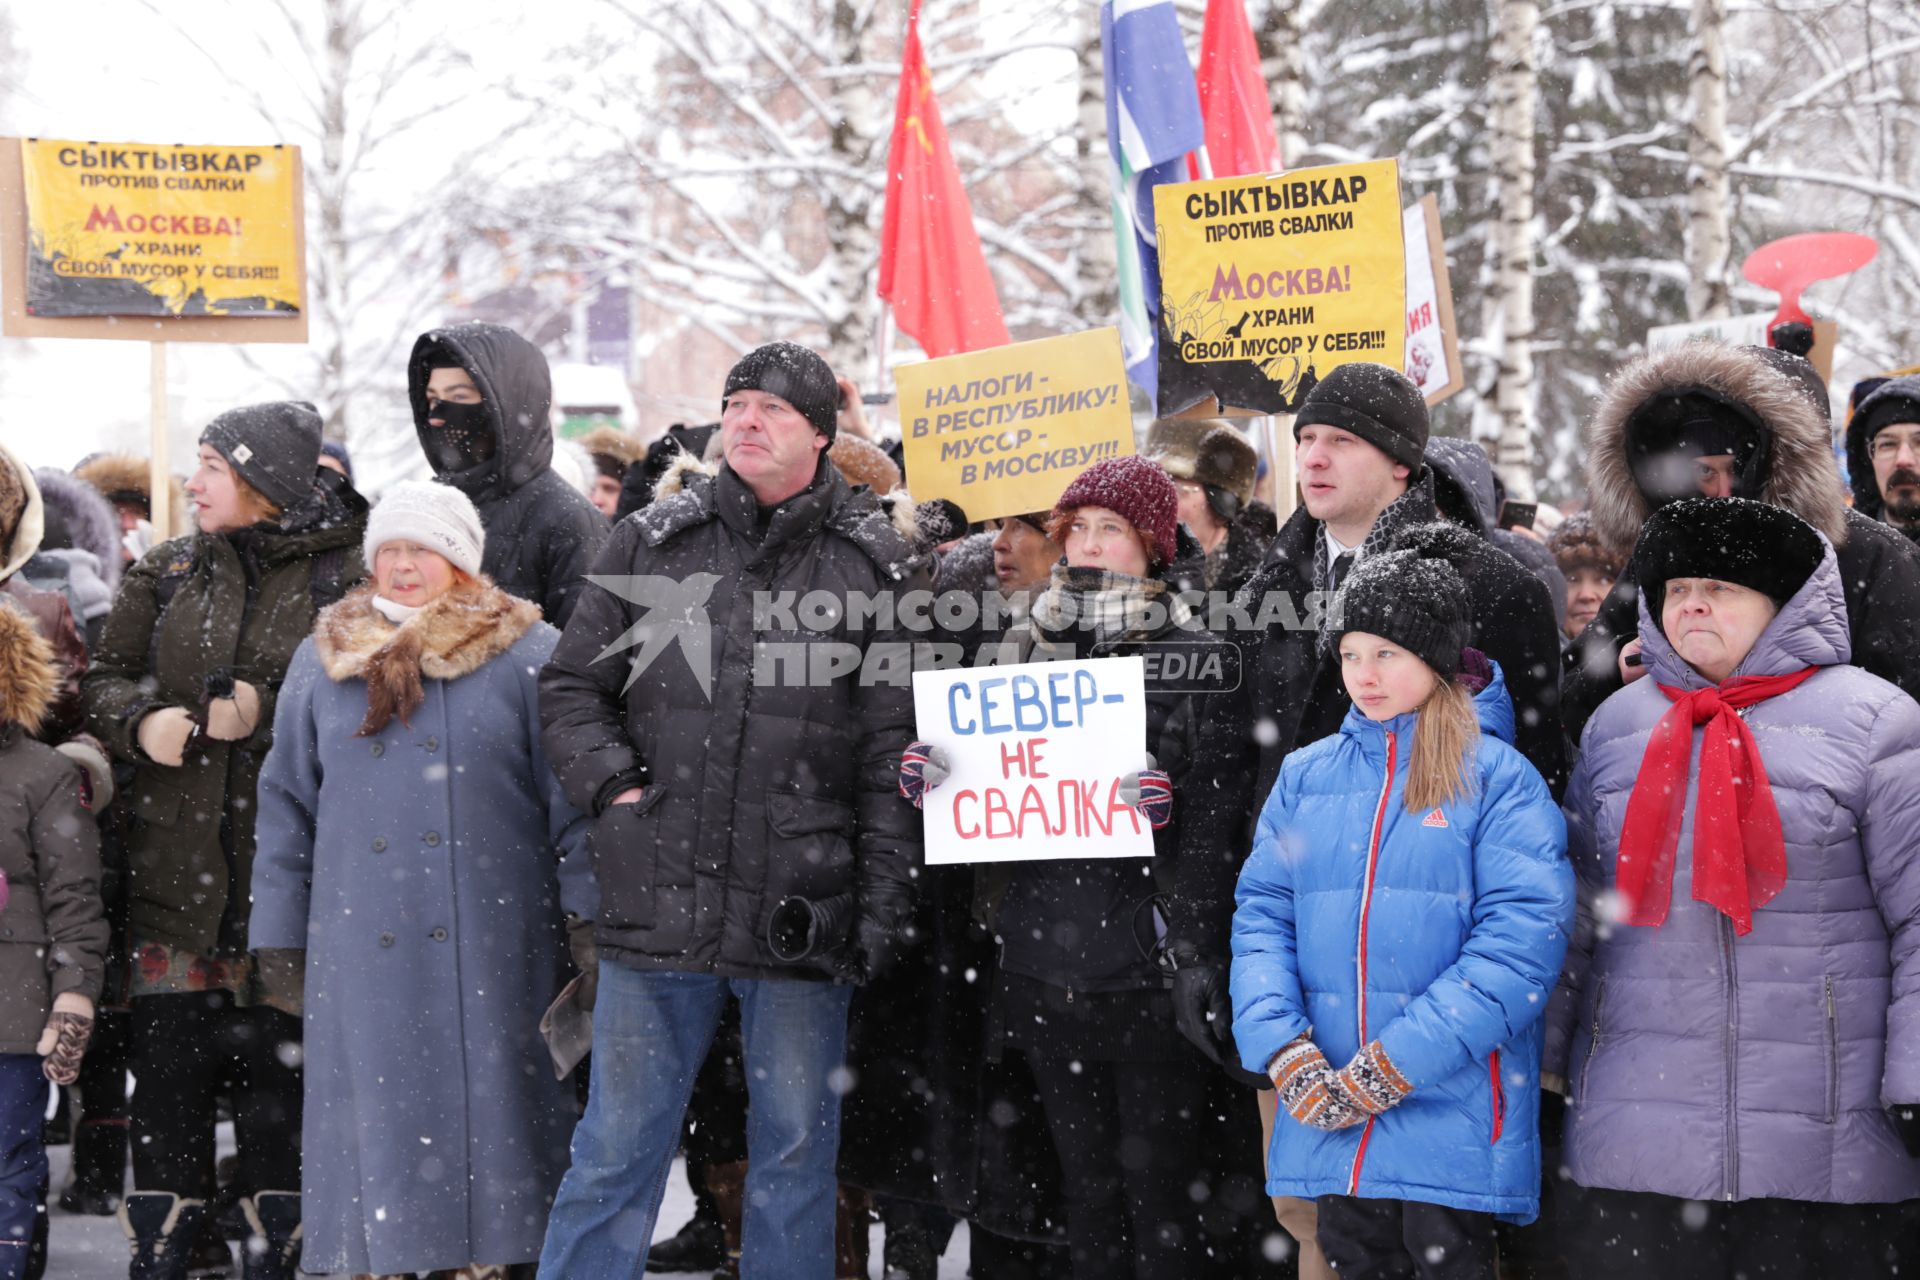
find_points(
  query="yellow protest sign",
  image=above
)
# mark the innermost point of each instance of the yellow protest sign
(1268, 282)
(138, 229)
(1005, 430)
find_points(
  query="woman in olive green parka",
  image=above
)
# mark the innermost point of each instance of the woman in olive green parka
(183, 686)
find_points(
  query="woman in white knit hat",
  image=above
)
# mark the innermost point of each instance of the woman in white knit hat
(420, 867)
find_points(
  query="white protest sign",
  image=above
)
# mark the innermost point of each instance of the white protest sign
(1038, 751)
(1745, 331)
(1433, 348)
(1740, 331)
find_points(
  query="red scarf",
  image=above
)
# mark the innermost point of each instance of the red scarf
(1739, 853)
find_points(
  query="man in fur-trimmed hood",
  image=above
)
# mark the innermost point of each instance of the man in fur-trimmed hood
(1733, 422)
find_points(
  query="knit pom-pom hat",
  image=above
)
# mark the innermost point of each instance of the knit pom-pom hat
(1418, 602)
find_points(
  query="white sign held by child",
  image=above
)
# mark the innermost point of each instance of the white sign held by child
(1038, 752)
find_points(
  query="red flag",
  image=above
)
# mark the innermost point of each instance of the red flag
(1233, 95)
(931, 267)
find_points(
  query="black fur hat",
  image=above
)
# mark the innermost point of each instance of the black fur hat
(1752, 544)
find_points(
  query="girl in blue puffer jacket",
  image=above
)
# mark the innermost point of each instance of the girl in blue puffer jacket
(1398, 930)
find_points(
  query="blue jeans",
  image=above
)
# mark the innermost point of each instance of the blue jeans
(23, 1159)
(651, 1031)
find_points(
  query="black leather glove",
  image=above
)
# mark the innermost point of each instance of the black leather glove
(882, 932)
(1906, 1121)
(1201, 1008)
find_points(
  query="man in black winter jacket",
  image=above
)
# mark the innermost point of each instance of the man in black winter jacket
(740, 755)
(481, 398)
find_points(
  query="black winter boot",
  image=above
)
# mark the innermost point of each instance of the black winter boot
(161, 1228)
(698, 1246)
(99, 1168)
(273, 1250)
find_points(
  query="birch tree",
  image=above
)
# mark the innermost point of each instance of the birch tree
(357, 84)
(1709, 242)
(1514, 98)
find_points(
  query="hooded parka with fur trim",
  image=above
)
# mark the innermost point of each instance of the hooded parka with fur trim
(53, 935)
(1790, 464)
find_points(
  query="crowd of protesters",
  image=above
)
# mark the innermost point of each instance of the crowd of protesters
(468, 852)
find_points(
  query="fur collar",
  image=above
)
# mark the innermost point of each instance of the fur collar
(28, 680)
(455, 635)
(900, 508)
(886, 528)
(1802, 476)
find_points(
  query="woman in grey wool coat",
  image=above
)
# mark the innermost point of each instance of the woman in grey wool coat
(414, 845)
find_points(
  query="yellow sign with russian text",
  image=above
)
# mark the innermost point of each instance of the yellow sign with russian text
(1004, 431)
(1269, 282)
(139, 229)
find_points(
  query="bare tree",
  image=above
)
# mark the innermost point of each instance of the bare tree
(1097, 262)
(1825, 133)
(352, 82)
(1515, 96)
(729, 163)
(1709, 242)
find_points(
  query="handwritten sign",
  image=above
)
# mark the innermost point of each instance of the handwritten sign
(1433, 349)
(1004, 431)
(1038, 751)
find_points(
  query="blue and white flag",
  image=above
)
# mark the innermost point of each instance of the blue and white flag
(1153, 122)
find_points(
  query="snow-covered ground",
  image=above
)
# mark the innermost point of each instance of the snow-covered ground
(96, 1248)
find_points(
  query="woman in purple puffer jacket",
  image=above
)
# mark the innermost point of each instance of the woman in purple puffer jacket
(1738, 1023)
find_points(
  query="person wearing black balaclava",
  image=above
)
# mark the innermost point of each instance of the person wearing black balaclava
(481, 398)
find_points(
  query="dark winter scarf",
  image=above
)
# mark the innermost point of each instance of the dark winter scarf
(1412, 507)
(1739, 851)
(451, 636)
(1103, 607)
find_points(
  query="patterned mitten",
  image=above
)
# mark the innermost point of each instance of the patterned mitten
(1151, 792)
(63, 1042)
(1302, 1079)
(923, 767)
(1370, 1082)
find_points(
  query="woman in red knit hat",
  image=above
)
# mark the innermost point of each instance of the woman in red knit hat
(1079, 992)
